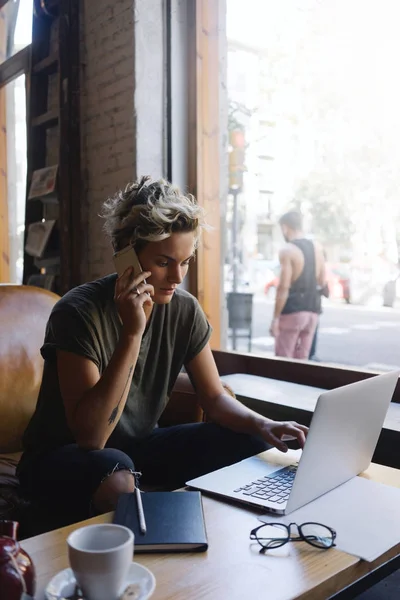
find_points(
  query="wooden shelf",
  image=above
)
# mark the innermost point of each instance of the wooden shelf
(48, 119)
(50, 261)
(47, 66)
(53, 134)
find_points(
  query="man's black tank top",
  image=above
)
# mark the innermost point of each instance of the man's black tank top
(303, 295)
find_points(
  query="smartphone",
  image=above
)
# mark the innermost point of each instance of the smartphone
(126, 258)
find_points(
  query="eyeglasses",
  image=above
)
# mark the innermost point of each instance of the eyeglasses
(274, 535)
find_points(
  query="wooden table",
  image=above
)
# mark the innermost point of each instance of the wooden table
(232, 568)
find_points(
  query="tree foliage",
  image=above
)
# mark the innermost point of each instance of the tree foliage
(326, 212)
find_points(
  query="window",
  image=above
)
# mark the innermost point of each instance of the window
(15, 27)
(15, 37)
(319, 105)
(15, 119)
(264, 208)
(266, 172)
(266, 139)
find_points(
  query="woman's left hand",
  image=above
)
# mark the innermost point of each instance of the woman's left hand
(275, 432)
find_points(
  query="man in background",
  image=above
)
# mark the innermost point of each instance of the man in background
(323, 291)
(297, 302)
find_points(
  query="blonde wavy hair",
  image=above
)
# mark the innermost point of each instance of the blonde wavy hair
(150, 211)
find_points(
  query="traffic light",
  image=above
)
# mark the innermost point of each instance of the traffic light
(236, 158)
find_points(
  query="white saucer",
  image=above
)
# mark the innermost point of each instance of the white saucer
(63, 584)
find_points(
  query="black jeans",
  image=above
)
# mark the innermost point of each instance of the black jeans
(313, 348)
(65, 480)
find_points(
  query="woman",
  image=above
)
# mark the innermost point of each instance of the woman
(113, 350)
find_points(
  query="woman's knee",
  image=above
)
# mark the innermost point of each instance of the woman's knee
(106, 496)
(117, 477)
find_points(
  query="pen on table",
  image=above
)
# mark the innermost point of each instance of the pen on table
(142, 521)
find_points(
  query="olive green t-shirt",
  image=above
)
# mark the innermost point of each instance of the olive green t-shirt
(85, 321)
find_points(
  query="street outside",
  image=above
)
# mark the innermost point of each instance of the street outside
(360, 336)
(304, 136)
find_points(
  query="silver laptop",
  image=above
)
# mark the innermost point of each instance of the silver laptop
(342, 438)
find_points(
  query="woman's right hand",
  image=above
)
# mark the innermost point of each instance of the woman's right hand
(132, 296)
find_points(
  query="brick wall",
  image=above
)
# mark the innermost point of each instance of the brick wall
(119, 101)
(108, 124)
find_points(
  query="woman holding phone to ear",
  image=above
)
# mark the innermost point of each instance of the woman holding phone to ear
(113, 351)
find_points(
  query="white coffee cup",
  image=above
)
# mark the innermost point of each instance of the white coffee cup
(100, 557)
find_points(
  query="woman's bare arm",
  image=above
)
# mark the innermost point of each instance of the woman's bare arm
(94, 403)
(221, 408)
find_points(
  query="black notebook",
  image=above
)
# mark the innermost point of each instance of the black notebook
(174, 520)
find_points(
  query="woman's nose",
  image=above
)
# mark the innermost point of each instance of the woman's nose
(175, 275)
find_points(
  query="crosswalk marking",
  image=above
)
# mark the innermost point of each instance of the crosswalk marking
(381, 367)
(264, 341)
(334, 330)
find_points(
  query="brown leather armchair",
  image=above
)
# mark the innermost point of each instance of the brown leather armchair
(24, 311)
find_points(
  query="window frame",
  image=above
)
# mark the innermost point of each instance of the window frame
(13, 67)
(16, 65)
(204, 25)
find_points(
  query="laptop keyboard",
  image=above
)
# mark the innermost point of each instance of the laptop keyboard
(274, 488)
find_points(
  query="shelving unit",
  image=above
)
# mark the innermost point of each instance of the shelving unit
(53, 122)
